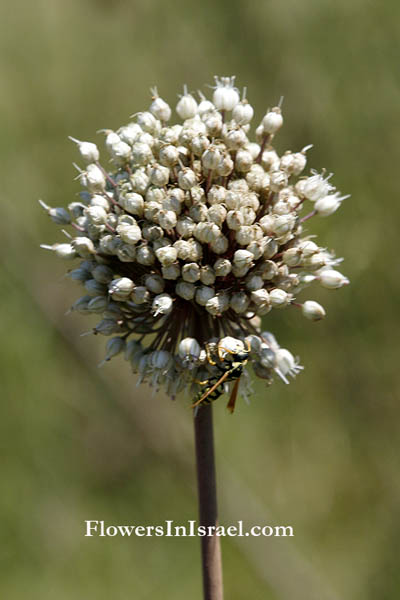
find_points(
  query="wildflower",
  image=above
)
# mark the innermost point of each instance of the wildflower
(191, 236)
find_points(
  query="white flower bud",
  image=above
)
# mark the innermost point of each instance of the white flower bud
(162, 305)
(169, 156)
(113, 347)
(130, 234)
(331, 279)
(120, 152)
(148, 122)
(315, 261)
(213, 122)
(94, 288)
(249, 215)
(145, 255)
(244, 235)
(205, 105)
(171, 272)
(167, 219)
(204, 294)
(256, 248)
(96, 215)
(93, 178)
(98, 304)
(141, 154)
(159, 108)
(167, 255)
(198, 213)
(187, 106)
(196, 251)
(126, 253)
(243, 258)
(159, 175)
(243, 161)
(308, 248)
(102, 274)
(220, 244)
(139, 181)
(217, 305)
(285, 363)
(292, 257)
(189, 349)
(133, 203)
(234, 219)
(199, 144)
(83, 246)
(187, 178)
(207, 232)
(243, 113)
(229, 345)
(254, 282)
(183, 249)
(240, 271)
(154, 283)
(316, 187)
(140, 295)
(185, 226)
(191, 272)
(160, 360)
(327, 205)
(283, 224)
(129, 134)
(239, 302)
(152, 232)
(216, 195)
(225, 166)
(65, 251)
(207, 275)
(217, 214)
(232, 200)
(272, 121)
(151, 211)
(222, 267)
(270, 160)
(253, 149)
(225, 96)
(88, 151)
(155, 194)
(268, 269)
(279, 298)
(60, 216)
(313, 311)
(211, 158)
(278, 180)
(185, 290)
(120, 288)
(235, 139)
(260, 297)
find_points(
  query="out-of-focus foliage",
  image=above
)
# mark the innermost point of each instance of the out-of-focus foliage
(80, 443)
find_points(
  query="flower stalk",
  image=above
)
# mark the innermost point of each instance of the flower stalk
(207, 497)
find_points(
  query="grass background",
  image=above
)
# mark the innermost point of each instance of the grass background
(81, 443)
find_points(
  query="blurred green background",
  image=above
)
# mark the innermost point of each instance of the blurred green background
(81, 443)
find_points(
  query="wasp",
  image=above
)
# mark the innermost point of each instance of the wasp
(231, 370)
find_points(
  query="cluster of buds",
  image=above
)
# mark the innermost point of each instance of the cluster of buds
(193, 235)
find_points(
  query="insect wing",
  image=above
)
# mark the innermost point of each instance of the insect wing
(232, 400)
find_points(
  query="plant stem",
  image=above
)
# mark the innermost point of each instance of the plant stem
(207, 492)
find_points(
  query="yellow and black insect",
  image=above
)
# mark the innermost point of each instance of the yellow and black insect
(231, 370)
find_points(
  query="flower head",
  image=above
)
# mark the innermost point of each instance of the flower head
(193, 235)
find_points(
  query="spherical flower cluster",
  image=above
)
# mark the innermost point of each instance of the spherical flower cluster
(192, 235)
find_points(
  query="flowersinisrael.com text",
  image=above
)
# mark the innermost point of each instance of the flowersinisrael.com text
(190, 529)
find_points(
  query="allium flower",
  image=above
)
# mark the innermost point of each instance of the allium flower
(191, 236)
